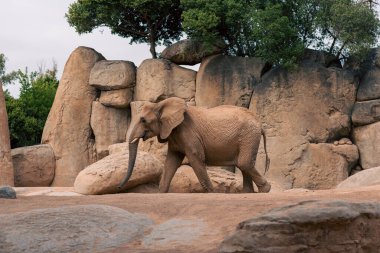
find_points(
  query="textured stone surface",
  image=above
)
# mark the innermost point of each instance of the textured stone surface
(67, 128)
(227, 80)
(105, 175)
(190, 52)
(365, 113)
(6, 167)
(7, 192)
(309, 105)
(310, 226)
(370, 83)
(158, 79)
(366, 177)
(116, 98)
(367, 138)
(113, 75)
(33, 165)
(81, 228)
(109, 125)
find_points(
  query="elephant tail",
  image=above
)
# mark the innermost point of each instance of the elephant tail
(267, 160)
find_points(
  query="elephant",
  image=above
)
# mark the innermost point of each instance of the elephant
(220, 136)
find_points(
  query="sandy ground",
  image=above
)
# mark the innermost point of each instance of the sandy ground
(220, 213)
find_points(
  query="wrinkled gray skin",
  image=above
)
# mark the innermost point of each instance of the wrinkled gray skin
(220, 136)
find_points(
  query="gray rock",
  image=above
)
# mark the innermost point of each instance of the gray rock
(310, 226)
(86, 228)
(190, 52)
(7, 192)
(365, 113)
(369, 88)
(113, 75)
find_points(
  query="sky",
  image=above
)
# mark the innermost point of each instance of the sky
(35, 33)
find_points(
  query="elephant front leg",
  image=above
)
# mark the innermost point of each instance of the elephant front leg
(197, 163)
(173, 161)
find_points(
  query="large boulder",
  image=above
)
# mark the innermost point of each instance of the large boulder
(109, 125)
(190, 52)
(67, 128)
(104, 176)
(227, 80)
(310, 226)
(6, 167)
(33, 165)
(369, 88)
(113, 75)
(81, 228)
(311, 104)
(367, 138)
(116, 98)
(185, 181)
(366, 112)
(7, 192)
(366, 177)
(158, 79)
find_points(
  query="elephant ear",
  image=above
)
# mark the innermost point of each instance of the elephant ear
(172, 112)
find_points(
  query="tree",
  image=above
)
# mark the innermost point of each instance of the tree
(154, 22)
(28, 113)
(9, 77)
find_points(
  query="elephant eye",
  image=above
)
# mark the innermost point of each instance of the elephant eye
(143, 120)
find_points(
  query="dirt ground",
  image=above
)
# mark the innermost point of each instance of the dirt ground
(220, 212)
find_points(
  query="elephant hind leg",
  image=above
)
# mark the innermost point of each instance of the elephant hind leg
(247, 165)
(247, 183)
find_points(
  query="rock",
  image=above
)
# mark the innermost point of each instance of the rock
(104, 176)
(356, 170)
(33, 165)
(320, 57)
(298, 108)
(345, 141)
(369, 88)
(309, 226)
(6, 167)
(324, 166)
(367, 139)
(158, 79)
(227, 80)
(7, 192)
(116, 98)
(81, 228)
(109, 125)
(67, 128)
(361, 178)
(113, 75)
(367, 112)
(190, 52)
(185, 181)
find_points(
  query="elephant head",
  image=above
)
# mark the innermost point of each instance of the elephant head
(155, 119)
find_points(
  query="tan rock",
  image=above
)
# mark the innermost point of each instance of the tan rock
(158, 79)
(362, 178)
(309, 105)
(67, 128)
(6, 167)
(116, 98)
(104, 176)
(109, 125)
(113, 75)
(369, 88)
(367, 138)
(227, 80)
(185, 181)
(33, 165)
(366, 112)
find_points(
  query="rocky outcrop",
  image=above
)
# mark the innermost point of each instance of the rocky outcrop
(185, 181)
(310, 226)
(310, 105)
(109, 125)
(67, 128)
(7, 192)
(366, 112)
(367, 139)
(113, 75)
(190, 52)
(362, 178)
(227, 80)
(116, 98)
(81, 228)
(158, 79)
(105, 175)
(6, 167)
(33, 165)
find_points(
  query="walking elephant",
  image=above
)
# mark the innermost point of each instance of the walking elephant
(220, 136)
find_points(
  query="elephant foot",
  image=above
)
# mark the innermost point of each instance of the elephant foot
(264, 188)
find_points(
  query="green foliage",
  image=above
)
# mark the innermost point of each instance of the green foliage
(28, 113)
(143, 21)
(5, 78)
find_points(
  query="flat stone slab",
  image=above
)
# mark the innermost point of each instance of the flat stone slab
(46, 191)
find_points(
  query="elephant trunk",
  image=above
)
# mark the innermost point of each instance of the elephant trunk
(133, 145)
